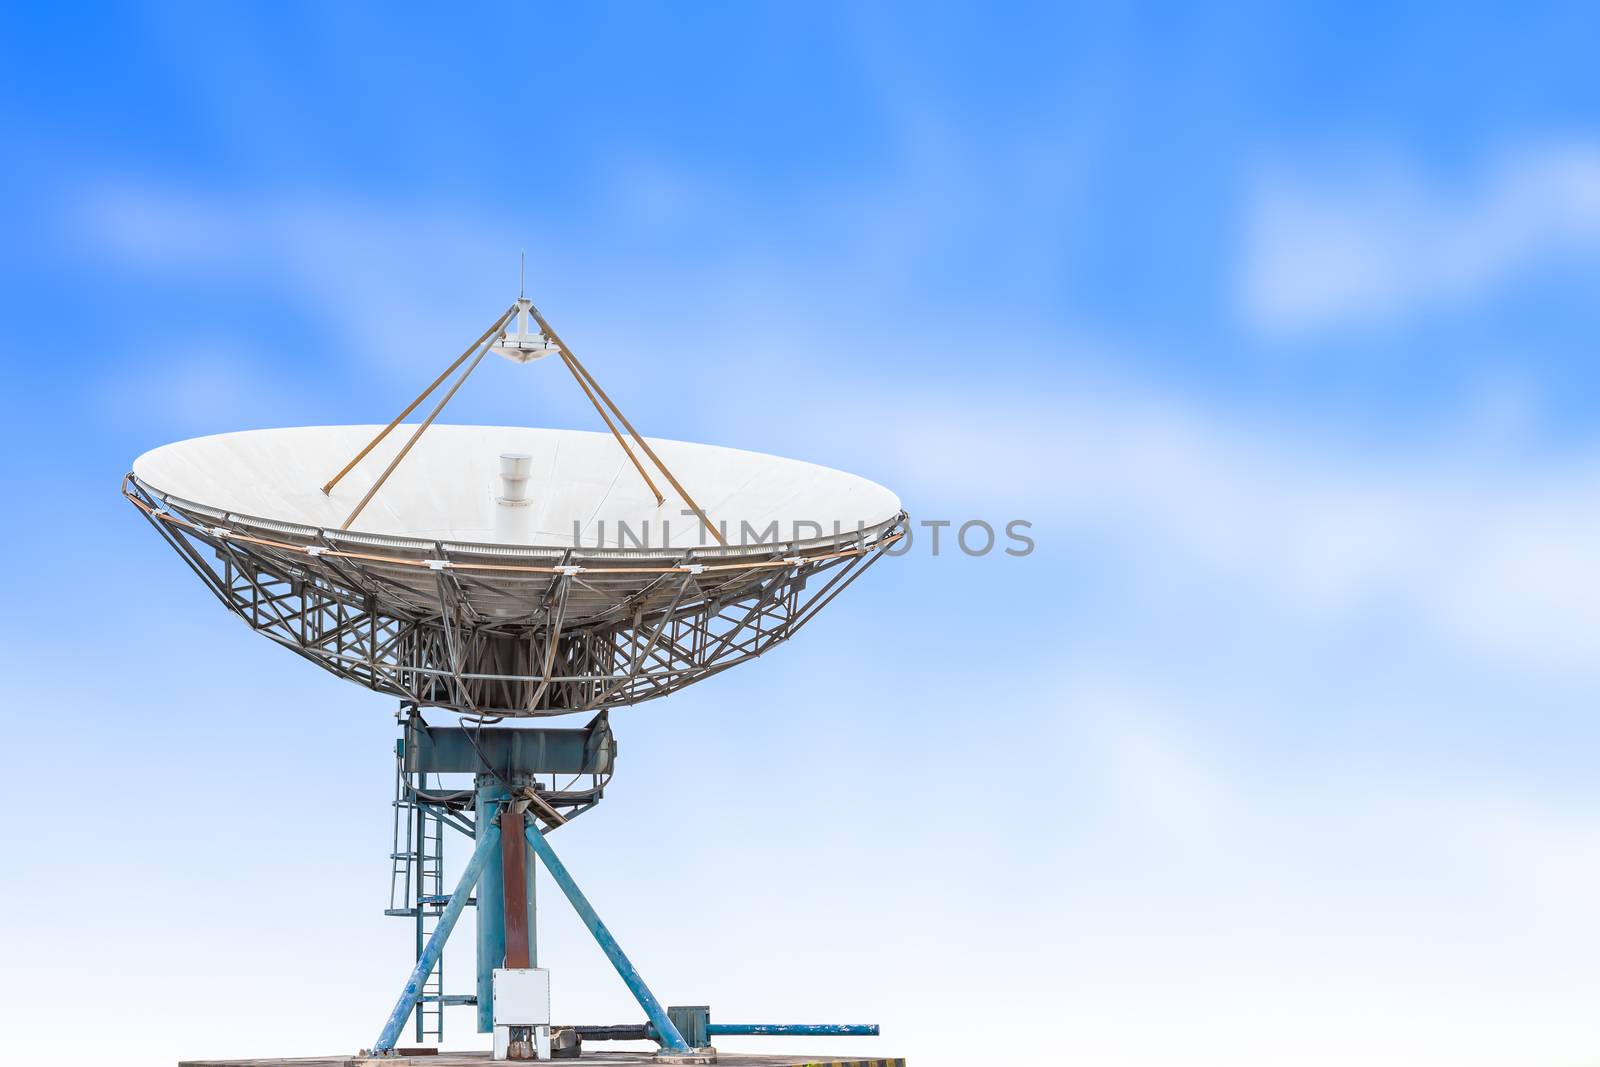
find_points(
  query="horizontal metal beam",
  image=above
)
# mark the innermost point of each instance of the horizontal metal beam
(645, 1032)
(635, 1032)
(793, 1029)
(509, 750)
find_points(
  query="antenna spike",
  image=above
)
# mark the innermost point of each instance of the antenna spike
(522, 277)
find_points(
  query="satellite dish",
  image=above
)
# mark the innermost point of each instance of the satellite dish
(504, 571)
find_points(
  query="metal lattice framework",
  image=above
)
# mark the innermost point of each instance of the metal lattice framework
(498, 631)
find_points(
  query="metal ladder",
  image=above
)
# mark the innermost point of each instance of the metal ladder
(431, 899)
(416, 885)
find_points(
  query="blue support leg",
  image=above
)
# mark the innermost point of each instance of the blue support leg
(488, 845)
(491, 907)
(666, 1033)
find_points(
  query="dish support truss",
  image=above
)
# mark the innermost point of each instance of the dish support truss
(493, 632)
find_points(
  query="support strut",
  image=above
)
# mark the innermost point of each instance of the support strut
(514, 872)
(666, 1032)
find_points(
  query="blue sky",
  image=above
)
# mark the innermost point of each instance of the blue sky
(1278, 327)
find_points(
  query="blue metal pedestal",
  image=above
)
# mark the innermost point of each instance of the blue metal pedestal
(506, 763)
(488, 838)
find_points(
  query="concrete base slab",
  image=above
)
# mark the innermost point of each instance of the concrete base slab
(597, 1058)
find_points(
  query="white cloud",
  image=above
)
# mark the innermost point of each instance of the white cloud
(1341, 248)
(1471, 542)
(369, 270)
(1549, 853)
(194, 386)
(1160, 776)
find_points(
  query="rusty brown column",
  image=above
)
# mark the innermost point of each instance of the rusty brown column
(514, 877)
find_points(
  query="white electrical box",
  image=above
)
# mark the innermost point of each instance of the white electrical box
(522, 997)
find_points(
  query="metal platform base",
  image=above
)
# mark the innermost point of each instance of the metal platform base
(599, 1059)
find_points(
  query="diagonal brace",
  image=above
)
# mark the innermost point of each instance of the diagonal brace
(581, 372)
(666, 1032)
(567, 361)
(398, 419)
(405, 449)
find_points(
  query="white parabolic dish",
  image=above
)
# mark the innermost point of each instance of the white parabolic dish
(588, 595)
(582, 489)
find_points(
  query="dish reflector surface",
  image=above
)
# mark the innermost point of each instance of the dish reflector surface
(580, 485)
